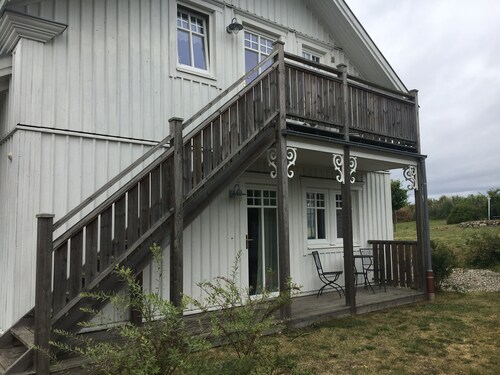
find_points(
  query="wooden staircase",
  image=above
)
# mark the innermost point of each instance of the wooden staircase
(16, 346)
(120, 231)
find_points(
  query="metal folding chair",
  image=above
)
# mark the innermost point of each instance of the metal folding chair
(328, 278)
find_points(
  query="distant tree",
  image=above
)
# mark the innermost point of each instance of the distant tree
(399, 197)
(439, 209)
(494, 194)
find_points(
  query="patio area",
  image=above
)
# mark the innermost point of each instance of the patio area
(311, 309)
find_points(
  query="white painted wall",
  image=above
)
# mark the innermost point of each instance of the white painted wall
(114, 72)
(213, 239)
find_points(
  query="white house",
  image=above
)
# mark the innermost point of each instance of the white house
(87, 87)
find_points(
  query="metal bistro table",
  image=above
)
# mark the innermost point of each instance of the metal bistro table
(366, 267)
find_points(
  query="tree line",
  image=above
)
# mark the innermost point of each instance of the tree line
(455, 209)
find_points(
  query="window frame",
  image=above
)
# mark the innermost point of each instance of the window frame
(312, 54)
(260, 53)
(331, 188)
(190, 12)
(325, 208)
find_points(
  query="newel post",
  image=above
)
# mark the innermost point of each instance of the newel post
(43, 301)
(176, 236)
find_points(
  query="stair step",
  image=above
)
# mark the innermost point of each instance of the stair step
(9, 355)
(24, 334)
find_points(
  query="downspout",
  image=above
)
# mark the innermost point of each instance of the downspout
(424, 209)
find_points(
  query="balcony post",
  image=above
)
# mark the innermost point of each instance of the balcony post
(282, 183)
(345, 100)
(177, 228)
(43, 301)
(427, 277)
(414, 93)
(348, 244)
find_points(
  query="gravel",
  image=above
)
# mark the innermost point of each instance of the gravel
(472, 280)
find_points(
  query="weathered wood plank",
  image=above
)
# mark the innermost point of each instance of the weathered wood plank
(155, 211)
(120, 226)
(216, 142)
(144, 204)
(408, 266)
(176, 238)
(395, 269)
(197, 159)
(233, 119)
(166, 185)
(401, 264)
(91, 238)
(226, 135)
(43, 291)
(59, 295)
(75, 264)
(187, 161)
(106, 242)
(133, 215)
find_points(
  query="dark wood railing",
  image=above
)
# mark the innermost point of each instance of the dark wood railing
(401, 262)
(89, 251)
(375, 115)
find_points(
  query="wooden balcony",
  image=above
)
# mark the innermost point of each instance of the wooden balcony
(370, 114)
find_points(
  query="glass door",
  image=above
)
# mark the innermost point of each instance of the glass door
(262, 241)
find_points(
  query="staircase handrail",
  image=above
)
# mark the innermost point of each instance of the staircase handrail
(153, 150)
(228, 90)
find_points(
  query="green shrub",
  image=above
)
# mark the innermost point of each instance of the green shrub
(465, 212)
(443, 262)
(165, 345)
(162, 345)
(240, 321)
(483, 250)
(405, 214)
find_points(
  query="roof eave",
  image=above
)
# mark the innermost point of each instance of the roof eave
(351, 36)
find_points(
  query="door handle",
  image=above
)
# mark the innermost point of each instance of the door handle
(247, 241)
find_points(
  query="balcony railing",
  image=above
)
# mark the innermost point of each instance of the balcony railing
(374, 115)
(401, 262)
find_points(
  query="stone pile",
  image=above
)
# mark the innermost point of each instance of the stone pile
(480, 223)
(472, 280)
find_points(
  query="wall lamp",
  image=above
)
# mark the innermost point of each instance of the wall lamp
(234, 27)
(236, 192)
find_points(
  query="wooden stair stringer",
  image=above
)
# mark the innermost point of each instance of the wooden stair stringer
(234, 168)
(139, 259)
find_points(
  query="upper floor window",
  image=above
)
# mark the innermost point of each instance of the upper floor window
(257, 48)
(192, 39)
(311, 56)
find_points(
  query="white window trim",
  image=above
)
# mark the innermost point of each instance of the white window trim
(313, 54)
(331, 187)
(319, 241)
(214, 16)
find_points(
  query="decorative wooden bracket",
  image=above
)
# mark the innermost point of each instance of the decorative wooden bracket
(338, 164)
(291, 157)
(410, 175)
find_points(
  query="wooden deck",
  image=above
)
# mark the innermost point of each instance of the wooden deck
(309, 309)
(306, 311)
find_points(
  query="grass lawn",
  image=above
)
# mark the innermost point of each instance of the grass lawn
(456, 334)
(453, 235)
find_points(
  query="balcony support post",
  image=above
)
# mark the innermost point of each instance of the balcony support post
(282, 184)
(348, 243)
(423, 235)
(177, 227)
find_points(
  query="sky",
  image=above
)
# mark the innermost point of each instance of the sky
(450, 51)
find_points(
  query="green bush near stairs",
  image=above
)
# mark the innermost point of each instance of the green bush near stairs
(165, 344)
